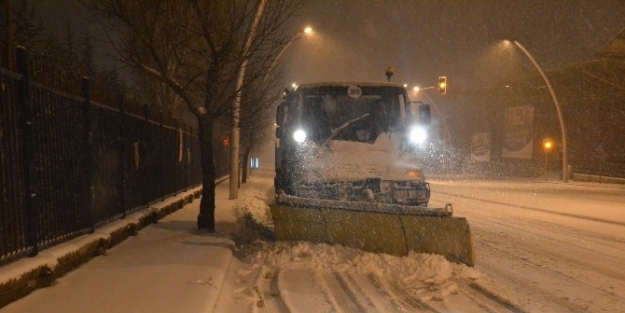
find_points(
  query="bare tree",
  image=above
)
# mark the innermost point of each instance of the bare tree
(27, 26)
(195, 48)
(258, 112)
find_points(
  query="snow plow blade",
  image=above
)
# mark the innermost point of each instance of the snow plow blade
(374, 227)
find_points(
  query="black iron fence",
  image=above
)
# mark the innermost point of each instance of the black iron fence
(69, 164)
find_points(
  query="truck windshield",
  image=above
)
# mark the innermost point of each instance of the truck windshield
(361, 119)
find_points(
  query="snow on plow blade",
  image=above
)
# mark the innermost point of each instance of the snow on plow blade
(374, 227)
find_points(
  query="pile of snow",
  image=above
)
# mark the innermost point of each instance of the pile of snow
(424, 276)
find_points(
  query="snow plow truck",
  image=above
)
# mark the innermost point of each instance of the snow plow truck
(347, 173)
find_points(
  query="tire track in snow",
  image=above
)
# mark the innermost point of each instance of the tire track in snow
(534, 209)
(586, 241)
(570, 265)
(530, 290)
(576, 249)
(376, 301)
(301, 290)
(269, 293)
(579, 248)
(341, 294)
(400, 297)
(487, 300)
(612, 242)
(539, 263)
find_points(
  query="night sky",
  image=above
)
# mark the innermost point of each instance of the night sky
(357, 39)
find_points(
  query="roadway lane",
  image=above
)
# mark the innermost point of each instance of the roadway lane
(555, 247)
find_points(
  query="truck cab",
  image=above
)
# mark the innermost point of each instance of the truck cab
(350, 142)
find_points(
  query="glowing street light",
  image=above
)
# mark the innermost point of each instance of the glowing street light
(416, 89)
(565, 176)
(236, 105)
(548, 145)
(308, 31)
(234, 148)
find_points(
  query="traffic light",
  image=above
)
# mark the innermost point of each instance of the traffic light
(442, 84)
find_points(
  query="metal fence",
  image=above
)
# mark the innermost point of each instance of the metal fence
(69, 164)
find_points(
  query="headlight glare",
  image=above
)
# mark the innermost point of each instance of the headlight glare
(418, 135)
(299, 136)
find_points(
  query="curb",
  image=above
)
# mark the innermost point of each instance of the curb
(20, 278)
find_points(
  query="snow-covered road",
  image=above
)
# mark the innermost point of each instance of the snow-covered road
(560, 248)
(541, 247)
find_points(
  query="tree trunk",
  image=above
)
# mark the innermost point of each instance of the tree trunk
(206, 217)
(246, 165)
(245, 160)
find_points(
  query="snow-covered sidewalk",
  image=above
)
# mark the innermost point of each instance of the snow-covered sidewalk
(169, 266)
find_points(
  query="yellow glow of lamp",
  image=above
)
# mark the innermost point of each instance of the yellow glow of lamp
(416, 174)
(548, 144)
(442, 84)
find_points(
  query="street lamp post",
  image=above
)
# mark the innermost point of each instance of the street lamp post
(235, 142)
(547, 146)
(307, 31)
(565, 177)
(234, 146)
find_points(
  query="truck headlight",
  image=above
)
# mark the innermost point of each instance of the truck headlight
(299, 136)
(418, 135)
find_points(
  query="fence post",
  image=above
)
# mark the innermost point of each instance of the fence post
(187, 155)
(122, 154)
(88, 139)
(146, 174)
(162, 152)
(175, 165)
(23, 92)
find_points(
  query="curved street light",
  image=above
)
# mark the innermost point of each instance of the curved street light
(234, 147)
(565, 177)
(308, 31)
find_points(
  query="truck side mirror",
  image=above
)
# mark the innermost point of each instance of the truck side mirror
(279, 132)
(280, 115)
(424, 114)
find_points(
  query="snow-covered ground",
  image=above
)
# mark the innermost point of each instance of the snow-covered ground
(560, 247)
(540, 247)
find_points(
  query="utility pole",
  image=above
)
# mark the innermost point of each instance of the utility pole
(234, 146)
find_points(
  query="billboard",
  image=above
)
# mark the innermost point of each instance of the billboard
(518, 132)
(480, 147)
